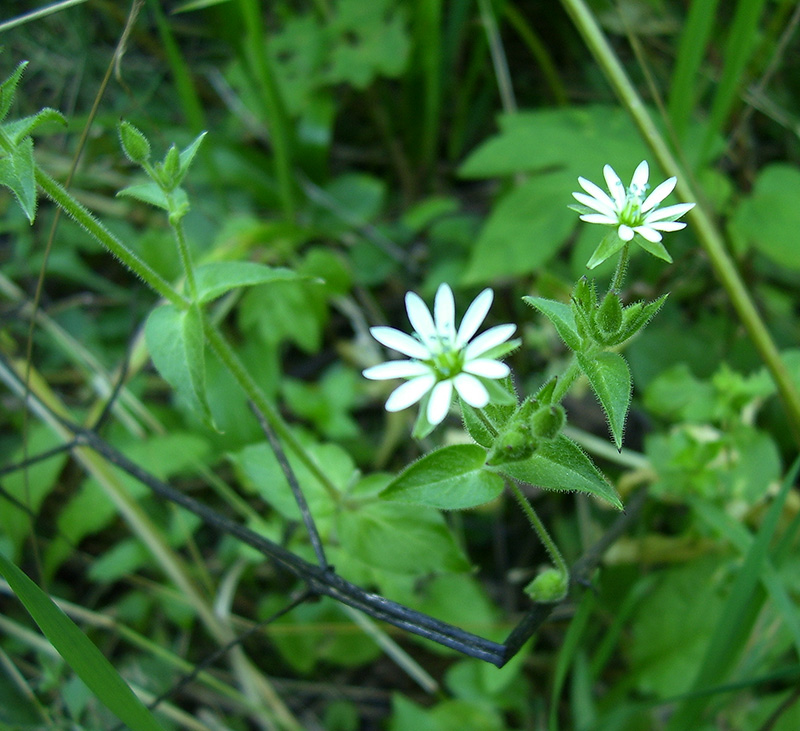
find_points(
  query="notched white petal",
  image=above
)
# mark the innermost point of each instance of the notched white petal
(597, 193)
(599, 218)
(444, 312)
(471, 390)
(615, 186)
(488, 340)
(396, 369)
(419, 316)
(625, 232)
(640, 176)
(439, 402)
(400, 341)
(487, 367)
(666, 225)
(474, 317)
(675, 211)
(658, 195)
(603, 206)
(409, 393)
(648, 233)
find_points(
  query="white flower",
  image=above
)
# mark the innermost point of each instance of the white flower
(441, 359)
(628, 209)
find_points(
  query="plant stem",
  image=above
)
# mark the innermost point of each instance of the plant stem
(566, 379)
(186, 258)
(87, 221)
(705, 229)
(540, 530)
(622, 268)
(242, 376)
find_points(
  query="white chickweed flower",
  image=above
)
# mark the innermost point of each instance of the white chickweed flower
(630, 209)
(441, 359)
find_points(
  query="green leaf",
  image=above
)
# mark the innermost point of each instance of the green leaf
(561, 316)
(562, 465)
(26, 126)
(610, 379)
(17, 174)
(186, 157)
(79, 652)
(8, 89)
(524, 230)
(175, 341)
(153, 194)
(610, 245)
(407, 539)
(216, 278)
(451, 478)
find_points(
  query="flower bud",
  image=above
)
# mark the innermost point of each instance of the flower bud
(134, 143)
(547, 422)
(609, 315)
(512, 445)
(549, 586)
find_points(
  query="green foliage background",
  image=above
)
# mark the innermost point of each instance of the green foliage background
(361, 150)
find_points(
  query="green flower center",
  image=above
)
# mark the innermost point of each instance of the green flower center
(447, 363)
(631, 214)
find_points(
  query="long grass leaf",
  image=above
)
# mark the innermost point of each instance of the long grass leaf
(691, 50)
(737, 616)
(79, 652)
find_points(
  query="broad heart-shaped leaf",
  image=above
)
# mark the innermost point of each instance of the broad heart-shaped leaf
(451, 478)
(610, 379)
(89, 664)
(175, 341)
(406, 539)
(216, 278)
(17, 174)
(561, 316)
(562, 465)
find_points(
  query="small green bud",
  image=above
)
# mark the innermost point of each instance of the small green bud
(134, 143)
(544, 395)
(548, 421)
(609, 315)
(585, 294)
(171, 168)
(549, 586)
(512, 445)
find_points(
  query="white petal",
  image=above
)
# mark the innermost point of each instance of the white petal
(675, 211)
(474, 317)
(400, 342)
(487, 341)
(602, 206)
(640, 175)
(615, 186)
(648, 233)
(396, 369)
(599, 218)
(487, 368)
(444, 310)
(410, 392)
(439, 402)
(658, 195)
(471, 390)
(420, 317)
(625, 232)
(597, 194)
(666, 225)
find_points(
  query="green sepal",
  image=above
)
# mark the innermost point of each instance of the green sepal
(168, 172)
(656, 248)
(610, 379)
(562, 318)
(609, 315)
(176, 343)
(637, 315)
(609, 246)
(483, 425)
(451, 478)
(544, 395)
(562, 465)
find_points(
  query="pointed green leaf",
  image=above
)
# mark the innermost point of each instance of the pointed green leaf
(216, 278)
(187, 156)
(610, 379)
(562, 465)
(8, 89)
(79, 652)
(26, 126)
(175, 340)
(17, 174)
(561, 316)
(656, 248)
(451, 478)
(406, 539)
(152, 194)
(609, 246)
